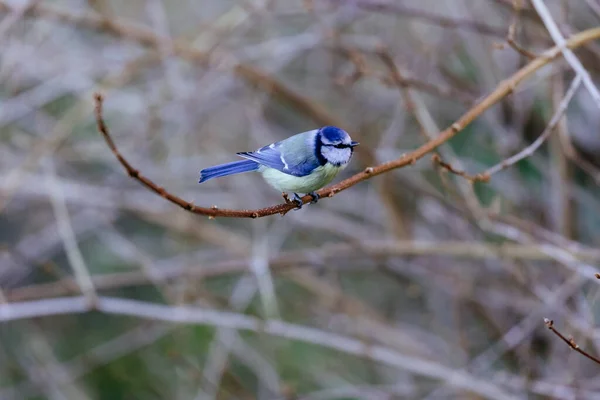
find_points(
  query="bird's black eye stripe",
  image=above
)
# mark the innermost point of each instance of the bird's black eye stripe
(340, 146)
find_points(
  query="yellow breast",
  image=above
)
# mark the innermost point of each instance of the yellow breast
(320, 177)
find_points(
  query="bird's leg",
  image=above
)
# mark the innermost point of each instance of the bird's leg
(298, 200)
(315, 197)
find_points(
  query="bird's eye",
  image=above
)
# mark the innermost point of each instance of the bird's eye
(340, 146)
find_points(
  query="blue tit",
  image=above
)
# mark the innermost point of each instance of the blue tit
(302, 163)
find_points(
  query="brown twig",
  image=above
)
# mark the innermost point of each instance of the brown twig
(471, 178)
(505, 87)
(519, 49)
(510, 38)
(569, 341)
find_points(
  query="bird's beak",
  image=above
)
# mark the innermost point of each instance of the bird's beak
(352, 144)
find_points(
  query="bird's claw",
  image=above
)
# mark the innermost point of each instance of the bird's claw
(298, 200)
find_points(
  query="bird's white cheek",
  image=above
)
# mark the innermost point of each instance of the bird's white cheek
(337, 157)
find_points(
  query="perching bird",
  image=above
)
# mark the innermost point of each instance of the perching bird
(302, 163)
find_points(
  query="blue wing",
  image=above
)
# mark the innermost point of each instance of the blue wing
(269, 156)
(293, 156)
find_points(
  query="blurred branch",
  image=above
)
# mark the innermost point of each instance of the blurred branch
(122, 345)
(46, 145)
(558, 38)
(394, 78)
(529, 150)
(563, 207)
(490, 257)
(203, 316)
(429, 128)
(147, 37)
(292, 259)
(15, 16)
(594, 6)
(573, 154)
(390, 7)
(504, 88)
(224, 341)
(558, 252)
(510, 38)
(569, 341)
(67, 234)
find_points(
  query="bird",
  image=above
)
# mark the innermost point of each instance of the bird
(302, 163)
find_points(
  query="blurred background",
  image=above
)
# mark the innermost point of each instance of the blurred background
(415, 284)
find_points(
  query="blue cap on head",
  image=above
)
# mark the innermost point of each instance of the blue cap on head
(333, 134)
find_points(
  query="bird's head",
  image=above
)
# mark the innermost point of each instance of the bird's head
(334, 145)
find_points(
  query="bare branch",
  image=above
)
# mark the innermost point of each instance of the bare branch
(510, 38)
(569, 341)
(501, 90)
(471, 178)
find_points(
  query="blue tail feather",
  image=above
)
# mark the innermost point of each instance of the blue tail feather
(231, 168)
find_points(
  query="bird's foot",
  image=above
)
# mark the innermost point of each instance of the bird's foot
(315, 197)
(298, 200)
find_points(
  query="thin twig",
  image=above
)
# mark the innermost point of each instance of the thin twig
(504, 88)
(569, 341)
(448, 167)
(510, 38)
(520, 49)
